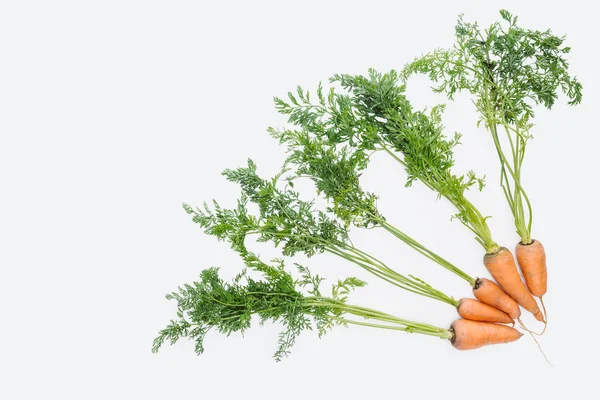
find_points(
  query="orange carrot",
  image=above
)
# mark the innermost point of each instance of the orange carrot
(532, 260)
(489, 293)
(472, 334)
(501, 265)
(477, 311)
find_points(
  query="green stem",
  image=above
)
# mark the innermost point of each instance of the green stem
(425, 251)
(404, 325)
(399, 160)
(479, 224)
(517, 147)
(523, 229)
(378, 268)
(471, 217)
(381, 270)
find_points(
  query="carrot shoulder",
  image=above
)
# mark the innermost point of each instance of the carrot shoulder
(532, 260)
(472, 335)
(488, 292)
(477, 311)
(502, 267)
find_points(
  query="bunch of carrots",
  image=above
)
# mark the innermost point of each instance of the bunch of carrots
(330, 140)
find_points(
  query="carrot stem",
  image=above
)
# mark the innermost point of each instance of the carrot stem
(471, 216)
(367, 313)
(425, 251)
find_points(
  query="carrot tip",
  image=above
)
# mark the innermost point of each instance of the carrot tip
(540, 317)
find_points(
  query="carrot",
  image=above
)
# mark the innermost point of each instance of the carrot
(489, 293)
(469, 335)
(474, 310)
(502, 267)
(532, 260)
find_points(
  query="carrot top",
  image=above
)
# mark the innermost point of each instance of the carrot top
(372, 114)
(296, 225)
(507, 69)
(298, 304)
(336, 172)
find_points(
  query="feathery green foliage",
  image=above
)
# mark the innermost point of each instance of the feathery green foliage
(336, 172)
(212, 303)
(508, 70)
(373, 114)
(296, 225)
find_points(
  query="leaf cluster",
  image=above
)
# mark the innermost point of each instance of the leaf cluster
(228, 307)
(373, 114)
(335, 170)
(298, 227)
(283, 217)
(510, 67)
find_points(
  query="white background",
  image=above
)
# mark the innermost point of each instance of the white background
(113, 113)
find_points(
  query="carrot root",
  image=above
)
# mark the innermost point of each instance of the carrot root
(544, 308)
(532, 261)
(545, 316)
(536, 341)
(469, 335)
(502, 267)
(489, 293)
(522, 325)
(477, 311)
